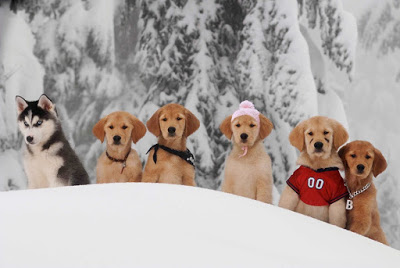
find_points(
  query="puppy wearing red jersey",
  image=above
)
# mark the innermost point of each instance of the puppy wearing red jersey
(316, 188)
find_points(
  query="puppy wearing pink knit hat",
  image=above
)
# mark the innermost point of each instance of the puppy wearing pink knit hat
(248, 170)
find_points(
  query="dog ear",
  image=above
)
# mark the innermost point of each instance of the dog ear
(21, 104)
(98, 129)
(266, 126)
(296, 137)
(139, 129)
(192, 123)
(153, 124)
(225, 127)
(340, 135)
(46, 104)
(342, 154)
(380, 163)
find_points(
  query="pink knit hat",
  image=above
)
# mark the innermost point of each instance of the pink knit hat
(247, 108)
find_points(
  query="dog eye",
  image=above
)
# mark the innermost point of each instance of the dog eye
(238, 125)
(310, 133)
(353, 155)
(38, 123)
(326, 132)
(111, 127)
(26, 124)
(252, 125)
(367, 156)
(164, 119)
(178, 118)
(124, 127)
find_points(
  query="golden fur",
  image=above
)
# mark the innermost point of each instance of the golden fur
(364, 218)
(171, 168)
(332, 135)
(251, 175)
(129, 128)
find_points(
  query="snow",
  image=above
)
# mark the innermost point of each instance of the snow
(24, 74)
(160, 225)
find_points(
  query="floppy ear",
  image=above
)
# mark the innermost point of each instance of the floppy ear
(153, 124)
(98, 129)
(139, 129)
(266, 126)
(379, 163)
(21, 104)
(340, 135)
(296, 137)
(46, 104)
(342, 154)
(192, 123)
(225, 127)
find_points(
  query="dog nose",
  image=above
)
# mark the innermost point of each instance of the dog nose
(29, 139)
(171, 130)
(318, 145)
(360, 168)
(244, 136)
(117, 138)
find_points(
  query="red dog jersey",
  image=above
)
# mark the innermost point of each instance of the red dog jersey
(318, 187)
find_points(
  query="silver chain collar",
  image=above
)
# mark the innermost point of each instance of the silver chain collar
(352, 195)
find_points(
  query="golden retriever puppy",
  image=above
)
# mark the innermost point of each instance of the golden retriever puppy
(362, 162)
(316, 188)
(248, 170)
(119, 163)
(169, 160)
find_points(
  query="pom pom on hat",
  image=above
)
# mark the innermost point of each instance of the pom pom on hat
(247, 108)
(246, 104)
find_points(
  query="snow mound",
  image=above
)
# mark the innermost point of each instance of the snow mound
(160, 225)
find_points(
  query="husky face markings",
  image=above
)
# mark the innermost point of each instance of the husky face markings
(36, 120)
(35, 130)
(49, 160)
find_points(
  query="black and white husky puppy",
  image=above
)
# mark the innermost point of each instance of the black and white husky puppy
(49, 160)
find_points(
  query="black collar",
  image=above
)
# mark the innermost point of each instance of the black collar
(118, 160)
(185, 155)
(323, 169)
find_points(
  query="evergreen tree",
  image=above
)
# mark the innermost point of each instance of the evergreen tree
(281, 88)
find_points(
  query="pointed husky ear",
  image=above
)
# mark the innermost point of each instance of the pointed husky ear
(46, 104)
(21, 104)
(139, 129)
(225, 127)
(98, 129)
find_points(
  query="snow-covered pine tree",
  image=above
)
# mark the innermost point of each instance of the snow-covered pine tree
(378, 78)
(75, 44)
(226, 44)
(200, 26)
(20, 74)
(274, 71)
(331, 34)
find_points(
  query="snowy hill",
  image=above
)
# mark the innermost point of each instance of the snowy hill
(160, 225)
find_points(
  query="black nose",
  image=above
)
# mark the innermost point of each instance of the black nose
(318, 145)
(117, 138)
(360, 167)
(29, 139)
(171, 130)
(244, 136)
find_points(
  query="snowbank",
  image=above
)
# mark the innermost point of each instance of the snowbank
(160, 225)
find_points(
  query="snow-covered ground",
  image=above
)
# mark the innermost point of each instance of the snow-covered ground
(160, 225)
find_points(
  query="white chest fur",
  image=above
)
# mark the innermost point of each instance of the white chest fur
(41, 166)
